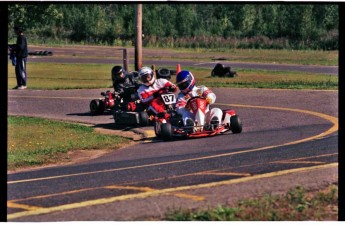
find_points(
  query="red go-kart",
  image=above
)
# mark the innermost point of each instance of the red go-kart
(98, 106)
(172, 126)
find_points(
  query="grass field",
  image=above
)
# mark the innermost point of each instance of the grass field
(68, 76)
(297, 204)
(307, 57)
(75, 76)
(36, 142)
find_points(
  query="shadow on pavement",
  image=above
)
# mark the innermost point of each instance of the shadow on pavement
(89, 114)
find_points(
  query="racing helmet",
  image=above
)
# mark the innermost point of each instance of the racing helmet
(116, 72)
(146, 76)
(185, 81)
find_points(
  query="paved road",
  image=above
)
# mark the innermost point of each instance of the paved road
(100, 55)
(289, 139)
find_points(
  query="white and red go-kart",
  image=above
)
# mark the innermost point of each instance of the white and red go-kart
(166, 129)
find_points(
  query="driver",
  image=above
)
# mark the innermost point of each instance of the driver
(188, 89)
(149, 91)
(123, 83)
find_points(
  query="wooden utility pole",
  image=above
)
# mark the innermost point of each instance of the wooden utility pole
(125, 59)
(138, 38)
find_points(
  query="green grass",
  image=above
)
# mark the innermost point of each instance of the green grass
(64, 76)
(78, 76)
(296, 205)
(279, 56)
(270, 79)
(299, 57)
(35, 141)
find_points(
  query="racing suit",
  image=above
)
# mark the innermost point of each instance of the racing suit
(214, 114)
(126, 86)
(150, 94)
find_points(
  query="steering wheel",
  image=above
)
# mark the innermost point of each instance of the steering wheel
(194, 97)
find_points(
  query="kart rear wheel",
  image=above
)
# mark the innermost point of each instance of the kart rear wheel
(166, 131)
(143, 118)
(96, 107)
(157, 128)
(235, 124)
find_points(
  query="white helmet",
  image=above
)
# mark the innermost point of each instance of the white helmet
(146, 76)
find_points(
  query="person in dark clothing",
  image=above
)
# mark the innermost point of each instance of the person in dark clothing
(125, 84)
(20, 50)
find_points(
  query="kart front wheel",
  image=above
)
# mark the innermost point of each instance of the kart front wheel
(96, 107)
(235, 124)
(166, 131)
(143, 118)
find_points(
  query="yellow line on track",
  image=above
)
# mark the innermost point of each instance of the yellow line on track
(56, 194)
(129, 188)
(192, 197)
(312, 157)
(12, 204)
(149, 134)
(225, 174)
(163, 191)
(333, 129)
(298, 162)
(22, 206)
(332, 119)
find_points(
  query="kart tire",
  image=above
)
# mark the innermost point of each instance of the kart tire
(166, 131)
(101, 106)
(157, 128)
(96, 107)
(235, 124)
(143, 118)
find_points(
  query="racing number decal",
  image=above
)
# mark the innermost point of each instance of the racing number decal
(169, 99)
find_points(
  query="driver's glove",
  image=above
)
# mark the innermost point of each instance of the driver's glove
(172, 88)
(156, 94)
(187, 96)
(208, 100)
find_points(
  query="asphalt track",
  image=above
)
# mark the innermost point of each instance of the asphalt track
(289, 138)
(112, 55)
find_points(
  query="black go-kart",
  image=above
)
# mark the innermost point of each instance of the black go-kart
(125, 112)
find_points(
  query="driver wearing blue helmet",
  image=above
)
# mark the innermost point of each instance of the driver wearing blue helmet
(188, 89)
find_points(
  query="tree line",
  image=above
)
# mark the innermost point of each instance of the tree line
(252, 25)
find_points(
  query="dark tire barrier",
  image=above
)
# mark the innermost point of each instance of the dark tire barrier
(41, 53)
(221, 71)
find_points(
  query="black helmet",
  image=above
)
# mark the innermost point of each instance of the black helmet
(115, 73)
(164, 73)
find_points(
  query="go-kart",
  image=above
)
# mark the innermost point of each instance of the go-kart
(131, 113)
(124, 112)
(99, 106)
(172, 126)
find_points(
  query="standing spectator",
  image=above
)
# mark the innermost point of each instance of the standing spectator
(21, 53)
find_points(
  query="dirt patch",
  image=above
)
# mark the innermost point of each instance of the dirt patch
(134, 135)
